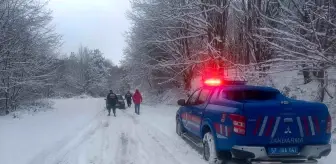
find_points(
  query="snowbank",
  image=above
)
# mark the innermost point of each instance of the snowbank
(41, 105)
(82, 96)
(168, 97)
(291, 84)
(31, 108)
(67, 96)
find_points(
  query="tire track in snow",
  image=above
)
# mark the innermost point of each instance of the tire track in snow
(124, 154)
(127, 140)
(124, 143)
(116, 143)
(102, 136)
(176, 148)
(153, 138)
(71, 152)
(110, 139)
(127, 147)
(60, 150)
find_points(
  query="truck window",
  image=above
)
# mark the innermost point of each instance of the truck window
(203, 96)
(120, 97)
(193, 98)
(249, 95)
(215, 95)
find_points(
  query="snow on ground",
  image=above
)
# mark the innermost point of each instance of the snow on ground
(148, 138)
(79, 132)
(21, 140)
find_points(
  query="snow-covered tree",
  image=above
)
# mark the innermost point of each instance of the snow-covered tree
(27, 46)
(86, 72)
(302, 36)
(172, 42)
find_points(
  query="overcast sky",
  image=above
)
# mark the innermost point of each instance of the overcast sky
(93, 23)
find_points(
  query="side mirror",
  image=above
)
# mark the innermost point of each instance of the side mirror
(181, 102)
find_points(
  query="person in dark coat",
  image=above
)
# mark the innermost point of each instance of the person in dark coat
(111, 102)
(128, 97)
(137, 99)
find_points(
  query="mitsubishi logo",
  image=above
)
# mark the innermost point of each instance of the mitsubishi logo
(284, 102)
(288, 131)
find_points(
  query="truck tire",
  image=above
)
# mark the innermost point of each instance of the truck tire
(209, 149)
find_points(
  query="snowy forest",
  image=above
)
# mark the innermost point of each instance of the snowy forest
(32, 67)
(287, 44)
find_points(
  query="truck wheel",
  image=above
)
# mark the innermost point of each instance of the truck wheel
(179, 127)
(209, 149)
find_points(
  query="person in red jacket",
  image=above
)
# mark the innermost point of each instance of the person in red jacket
(137, 99)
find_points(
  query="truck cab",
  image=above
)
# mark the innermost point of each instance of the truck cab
(230, 119)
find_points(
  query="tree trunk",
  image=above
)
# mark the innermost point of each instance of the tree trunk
(306, 75)
(187, 77)
(322, 78)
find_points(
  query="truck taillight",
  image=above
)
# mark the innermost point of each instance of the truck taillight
(329, 125)
(239, 123)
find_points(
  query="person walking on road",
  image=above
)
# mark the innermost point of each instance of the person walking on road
(137, 99)
(111, 102)
(128, 97)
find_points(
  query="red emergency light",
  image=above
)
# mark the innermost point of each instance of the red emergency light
(220, 82)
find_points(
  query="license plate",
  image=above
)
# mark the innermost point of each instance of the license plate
(283, 150)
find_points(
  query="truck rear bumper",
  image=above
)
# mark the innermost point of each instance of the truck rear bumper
(260, 153)
(286, 162)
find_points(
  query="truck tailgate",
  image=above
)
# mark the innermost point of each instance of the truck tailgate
(277, 122)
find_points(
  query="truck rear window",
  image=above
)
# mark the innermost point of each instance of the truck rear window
(249, 95)
(120, 97)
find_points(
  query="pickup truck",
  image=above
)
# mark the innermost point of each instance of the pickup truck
(230, 120)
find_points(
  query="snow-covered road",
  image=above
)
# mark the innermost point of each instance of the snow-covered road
(132, 139)
(79, 131)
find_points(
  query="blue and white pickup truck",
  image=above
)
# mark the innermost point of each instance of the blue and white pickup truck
(232, 120)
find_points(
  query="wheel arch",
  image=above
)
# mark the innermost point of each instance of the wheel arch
(177, 117)
(207, 126)
(178, 114)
